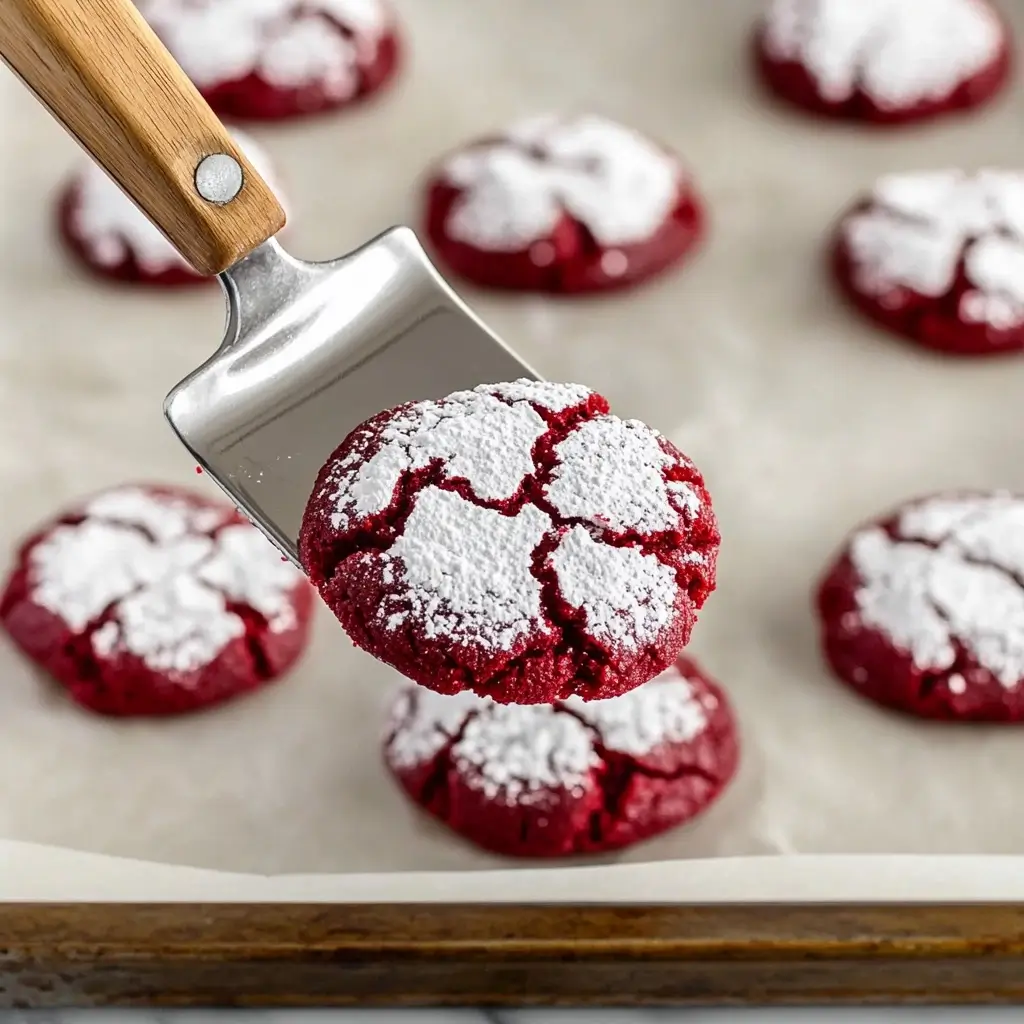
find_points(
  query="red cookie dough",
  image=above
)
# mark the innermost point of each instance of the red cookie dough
(110, 236)
(885, 62)
(562, 204)
(569, 778)
(938, 257)
(155, 601)
(923, 611)
(277, 59)
(515, 540)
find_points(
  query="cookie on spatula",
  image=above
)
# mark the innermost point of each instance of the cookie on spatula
(112, 237)
(569, 778)
(516, 540)
(275, 59)
(923, 610)
(562, 204)
(938, 257)
(155, 601)
(884, 62)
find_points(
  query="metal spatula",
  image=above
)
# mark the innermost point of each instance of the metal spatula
(310, 349)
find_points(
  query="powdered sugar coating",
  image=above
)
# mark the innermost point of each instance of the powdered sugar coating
(478, 437)
(112, 229)
(164, 520)
(949, 575)
(161, 572)
(628, 597)
(900, 53)
(917, 230)
(422, 723)
(613, 472)
(665, 710)
(521, 754)
(463, 572)
(287, 43)
(451, 532)
(616, 183)
(530, 755)
(548, 395)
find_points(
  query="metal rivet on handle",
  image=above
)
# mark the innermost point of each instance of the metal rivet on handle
(219, 178)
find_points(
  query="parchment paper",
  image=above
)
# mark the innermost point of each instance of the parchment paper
(804, 419)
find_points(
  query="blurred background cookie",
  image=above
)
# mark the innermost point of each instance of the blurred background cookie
(938, 257)
(274, 59)
(923, 611)
(562, 204)
(883, 61)
(155, 601)
(574, 777)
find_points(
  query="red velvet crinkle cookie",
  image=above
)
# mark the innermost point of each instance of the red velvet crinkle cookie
(938, 257)
(883, 61)
(562, 204)
(515, 540)
(569, 778)
(112, 237)
(275, 59)
(155, 601)
(924, 610)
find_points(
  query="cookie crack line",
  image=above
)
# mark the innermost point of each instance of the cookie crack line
(566, 777)
(108, 612)
(631, 761)
(573, 634)
(194, 570)
(387, 526)
(151, 600)
(389, 523)
(961, 663)
(442, 764)
(892, 531)
(612, 772)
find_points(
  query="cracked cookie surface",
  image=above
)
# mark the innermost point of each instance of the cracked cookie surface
(569, 778)
(150, 600)
(516, 540)
(923, 611)
(885, 62)
(562, 204)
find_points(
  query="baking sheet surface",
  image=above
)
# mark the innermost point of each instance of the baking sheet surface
(804, 419)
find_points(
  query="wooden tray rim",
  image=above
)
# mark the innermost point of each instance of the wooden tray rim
(207, 954)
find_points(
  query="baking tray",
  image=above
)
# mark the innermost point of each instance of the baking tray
(258, 853)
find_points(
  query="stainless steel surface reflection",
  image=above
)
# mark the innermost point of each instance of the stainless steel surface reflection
(313, 349)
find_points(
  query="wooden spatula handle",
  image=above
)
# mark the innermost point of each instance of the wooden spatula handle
(106, 77)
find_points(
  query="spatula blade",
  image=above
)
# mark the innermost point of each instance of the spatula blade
(311, 351)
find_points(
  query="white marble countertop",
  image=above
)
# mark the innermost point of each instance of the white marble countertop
(782, 1015)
